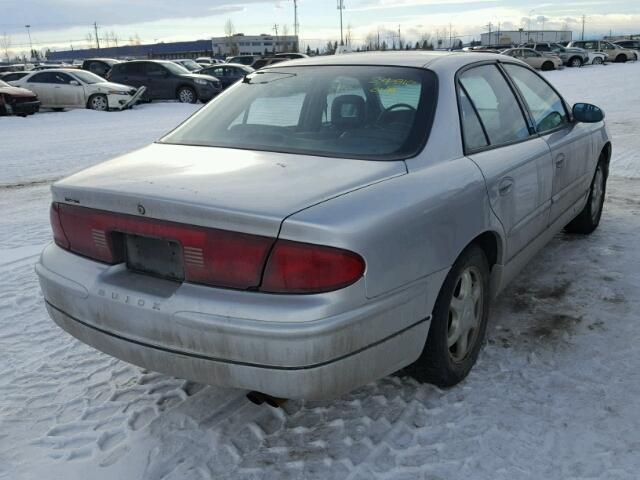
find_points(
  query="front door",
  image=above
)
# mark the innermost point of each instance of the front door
(570, 143)
(516, 163)
(67, 91)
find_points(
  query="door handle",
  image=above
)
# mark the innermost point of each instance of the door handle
(560, 160)
(505, 186)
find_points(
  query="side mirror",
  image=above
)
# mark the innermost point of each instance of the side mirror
(74, 83)
(587, 113)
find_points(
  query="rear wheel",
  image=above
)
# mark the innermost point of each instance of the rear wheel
(575, 62)
(621, 58)
(98, 102)
(187, 95)
(589, 218)
(458, 323)
(546, 66)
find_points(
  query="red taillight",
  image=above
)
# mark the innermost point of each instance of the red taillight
(210, 256)
(307, 268)
(58, 233)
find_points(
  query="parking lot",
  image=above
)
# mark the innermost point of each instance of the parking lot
(555, 394)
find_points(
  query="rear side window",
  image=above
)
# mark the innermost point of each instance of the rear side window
(544, 103)
(126, 68)
(496, 104)
(472, 131)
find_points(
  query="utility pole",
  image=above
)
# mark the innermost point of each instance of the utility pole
(296, 25)
(95, 28)
(489, 25)
(341, 8)
(582, 35)
(28, 27)
(450, 39)
(275, 29)
(399, 38)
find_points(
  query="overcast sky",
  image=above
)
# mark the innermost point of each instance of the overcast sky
(61, 23)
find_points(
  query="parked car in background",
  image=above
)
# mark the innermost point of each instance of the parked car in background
(263, 62)
(206, 61)
(12, 76)
(166, 80)
(16, 67)
(17, 101)
(614, 52)
(62, 88)
(571, 57)
(323, 224)
(635, 52)
(242, 59)
(189, 64)
(629, 44)
(99, 66)
(597, 58)
(535, 59)
(291, 55)
(227, 73)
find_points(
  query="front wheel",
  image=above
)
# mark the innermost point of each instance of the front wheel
(575, 62)
(98, 102)
(187, 95)
(546, 66)
(458, 323)
(589, 218)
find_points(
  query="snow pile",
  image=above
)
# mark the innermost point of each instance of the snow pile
(555, 394)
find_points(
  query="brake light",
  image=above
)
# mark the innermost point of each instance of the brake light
(58, 233)
(295, 267)
(211, 256)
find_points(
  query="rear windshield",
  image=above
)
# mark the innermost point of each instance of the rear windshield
(365, 112)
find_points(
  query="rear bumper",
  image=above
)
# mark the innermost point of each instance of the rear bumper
(305, 346)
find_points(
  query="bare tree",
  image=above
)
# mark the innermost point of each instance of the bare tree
(89, 39)
(134, 40)
(5, 45)
(349, 35)
(229, 32)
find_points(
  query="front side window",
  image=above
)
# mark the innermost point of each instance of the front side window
(376, 113)
(88, 77)
(544, 103)
(495, 103)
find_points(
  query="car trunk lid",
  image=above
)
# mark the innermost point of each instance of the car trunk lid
(230, 189)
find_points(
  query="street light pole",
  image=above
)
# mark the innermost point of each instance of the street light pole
(529, 27)
(28, 27)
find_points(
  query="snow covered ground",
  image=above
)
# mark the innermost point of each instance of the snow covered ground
(555, 394)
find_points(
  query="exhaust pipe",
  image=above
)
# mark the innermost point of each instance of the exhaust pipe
(259, 398)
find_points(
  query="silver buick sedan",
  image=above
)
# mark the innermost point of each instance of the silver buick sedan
(326, 222)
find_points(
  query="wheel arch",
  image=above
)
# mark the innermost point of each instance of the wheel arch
(605, 157)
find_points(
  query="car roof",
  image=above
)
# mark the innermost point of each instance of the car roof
(57, 70)
(420, 59)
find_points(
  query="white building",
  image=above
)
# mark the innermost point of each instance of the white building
(241, 44)
(516, 37)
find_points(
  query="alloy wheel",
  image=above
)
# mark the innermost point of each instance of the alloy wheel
(186, 96)
(465, 313)
(99, 103)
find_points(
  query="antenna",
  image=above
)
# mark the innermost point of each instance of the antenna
(341, 8)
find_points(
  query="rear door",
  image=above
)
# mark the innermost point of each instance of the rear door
(158, 82)
(570, 143)
(129, 73)
(42, 85)
(516, 163)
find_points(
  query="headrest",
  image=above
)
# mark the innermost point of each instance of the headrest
(348, 111)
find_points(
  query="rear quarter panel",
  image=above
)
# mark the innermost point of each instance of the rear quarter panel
(405, 228)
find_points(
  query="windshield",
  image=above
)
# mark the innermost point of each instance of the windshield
(375, 113)
(175, 68)
(88, 77)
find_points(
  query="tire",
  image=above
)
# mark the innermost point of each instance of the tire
(444, 363)
(597, 61)
(187, 95)
(621, 58)
(98, 102)
(575, 62)
(546, 66)
(589, 218)
(58, 109)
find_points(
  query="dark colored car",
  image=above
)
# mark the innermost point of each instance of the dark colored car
(12, 76)
(99, 66)
(292, 55)
(165, 81)
(263, 62)
(242, 59)
(227, 73)
(17, 101)
(630, 44)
